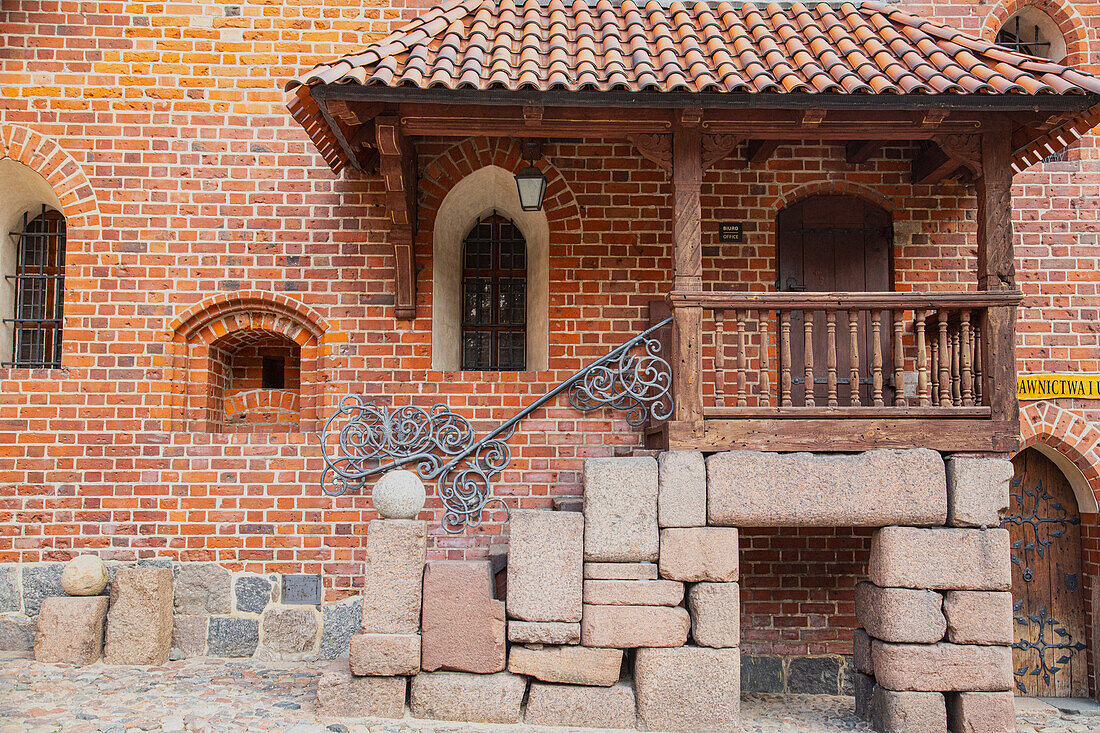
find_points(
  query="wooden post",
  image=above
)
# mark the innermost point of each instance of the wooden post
(687, 179)
(997, 271)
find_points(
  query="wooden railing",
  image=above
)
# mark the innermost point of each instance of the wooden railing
(782, 356)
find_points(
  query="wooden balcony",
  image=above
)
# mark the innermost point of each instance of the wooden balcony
(846, 371)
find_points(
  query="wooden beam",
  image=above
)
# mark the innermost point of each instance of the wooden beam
(397, 163)
(757, 152)
(687, 325)
(861, 151)
(997, 271)
(931, 164)
(846, 435)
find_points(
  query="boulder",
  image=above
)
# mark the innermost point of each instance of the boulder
(11, 597)
(338, 622)
(392, 575)
(715, 614)
(747, 488)
(682, 489)
(202, 588)
(290, 630)
(84, 575)
(978, 617)
(900, 614)
(544, 632)
(17, 634)
(545, 565)
(399, 494)
(572, 665)
(688, 689)
(253, 593)
(464, 627)
(139, 622)
(626, 627)
(633, 592)
(384, 655)
(470, 698)
(620, 509)
(340, 694)
(977, 490)
(620, 571)
(981, 712)
(942, 667)
(580, 706)
(40, 581)
(940, 559)
(70, 630)
(699, 554)
(908, 712)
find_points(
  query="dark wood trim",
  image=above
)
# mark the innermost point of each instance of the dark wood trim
(859, 152)
(846, 435)
(397, 163)
(757, 152)
(687, 324)
(799, 300)
(802, 413)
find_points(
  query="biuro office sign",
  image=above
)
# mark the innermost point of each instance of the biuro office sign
(1058, 386)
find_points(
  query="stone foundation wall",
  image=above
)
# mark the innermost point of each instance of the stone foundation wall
(215, 612)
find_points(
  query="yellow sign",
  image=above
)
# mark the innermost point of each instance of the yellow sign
(1058, 386)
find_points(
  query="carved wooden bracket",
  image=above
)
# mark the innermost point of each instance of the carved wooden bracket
(655, 147)
(397, 163)
(717, 147)
(946, 155)
(966, 149)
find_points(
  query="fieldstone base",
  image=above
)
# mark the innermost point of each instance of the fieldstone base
(573, 665)
(139, 623)
(385, 655)
(912, 712)
(340, 694)
(70, 630)
(981, 712)
(471, 698)
(580, 706)
(688, 688)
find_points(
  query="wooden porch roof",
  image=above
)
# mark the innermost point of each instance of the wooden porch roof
(701, 55)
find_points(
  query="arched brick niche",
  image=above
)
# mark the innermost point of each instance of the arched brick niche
(1071, 442)
(247, 362)
(1064, 16)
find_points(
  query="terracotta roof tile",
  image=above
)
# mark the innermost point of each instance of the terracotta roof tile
(719, 47)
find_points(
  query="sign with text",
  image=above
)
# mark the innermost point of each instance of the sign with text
(731, 231)
(1058, 386)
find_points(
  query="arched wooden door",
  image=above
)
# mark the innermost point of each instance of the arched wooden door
(1048, 605)
(836, 243)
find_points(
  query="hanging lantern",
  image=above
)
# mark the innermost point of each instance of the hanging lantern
(531, 182)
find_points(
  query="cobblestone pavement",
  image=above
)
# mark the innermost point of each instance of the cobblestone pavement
(208, 695)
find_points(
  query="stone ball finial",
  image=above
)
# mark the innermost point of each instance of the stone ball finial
(84, 575)
(399, 494)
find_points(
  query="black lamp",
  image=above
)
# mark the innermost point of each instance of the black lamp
(530, 181)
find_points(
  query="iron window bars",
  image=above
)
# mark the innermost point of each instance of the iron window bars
(39, 291)
(494, 296)
(1012, 36)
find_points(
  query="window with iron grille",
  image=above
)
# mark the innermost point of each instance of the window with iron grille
(494, 296)
(39, 291)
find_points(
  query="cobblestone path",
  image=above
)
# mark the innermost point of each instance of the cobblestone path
(210, 695)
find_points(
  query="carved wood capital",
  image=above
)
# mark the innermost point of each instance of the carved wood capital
(964, 149)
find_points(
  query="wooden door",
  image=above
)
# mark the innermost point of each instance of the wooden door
(836, 244)
(1049, 657)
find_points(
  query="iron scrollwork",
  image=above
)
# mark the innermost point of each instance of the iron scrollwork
(1045, 667)
(441, 445)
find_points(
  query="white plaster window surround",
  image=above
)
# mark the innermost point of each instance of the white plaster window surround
(1034, 22)
(22, 191)
(484, 191)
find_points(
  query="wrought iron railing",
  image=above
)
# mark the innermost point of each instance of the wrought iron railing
(369, 438)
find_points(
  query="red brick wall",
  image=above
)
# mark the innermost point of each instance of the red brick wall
(197, 207)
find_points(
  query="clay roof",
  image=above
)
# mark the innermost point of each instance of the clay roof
(701, 48)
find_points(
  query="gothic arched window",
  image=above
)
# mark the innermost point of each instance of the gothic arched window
(39, 290)
(494, 296)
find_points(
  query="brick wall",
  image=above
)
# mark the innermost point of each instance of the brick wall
(197, 209)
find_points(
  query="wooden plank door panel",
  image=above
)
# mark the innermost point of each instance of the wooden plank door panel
(1049, 657)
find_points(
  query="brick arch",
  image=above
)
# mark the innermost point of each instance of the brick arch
(563, 213)
(831, 188)
(49, 160)
(1070, 441)
(1064, 15)
(233, 320)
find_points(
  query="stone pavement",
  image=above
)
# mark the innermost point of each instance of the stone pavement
(208, 695)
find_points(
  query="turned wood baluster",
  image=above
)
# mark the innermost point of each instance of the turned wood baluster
(785, 359)
(923, 388)
(967, 361)
(719, 358)
(742, 361)
(979, 383)
(830, 355)
(956, 370)
(945, 362)
(853, 358)
(899, 360)
(935, 371)
(765, 398)
(808, 350)
(876, 358)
